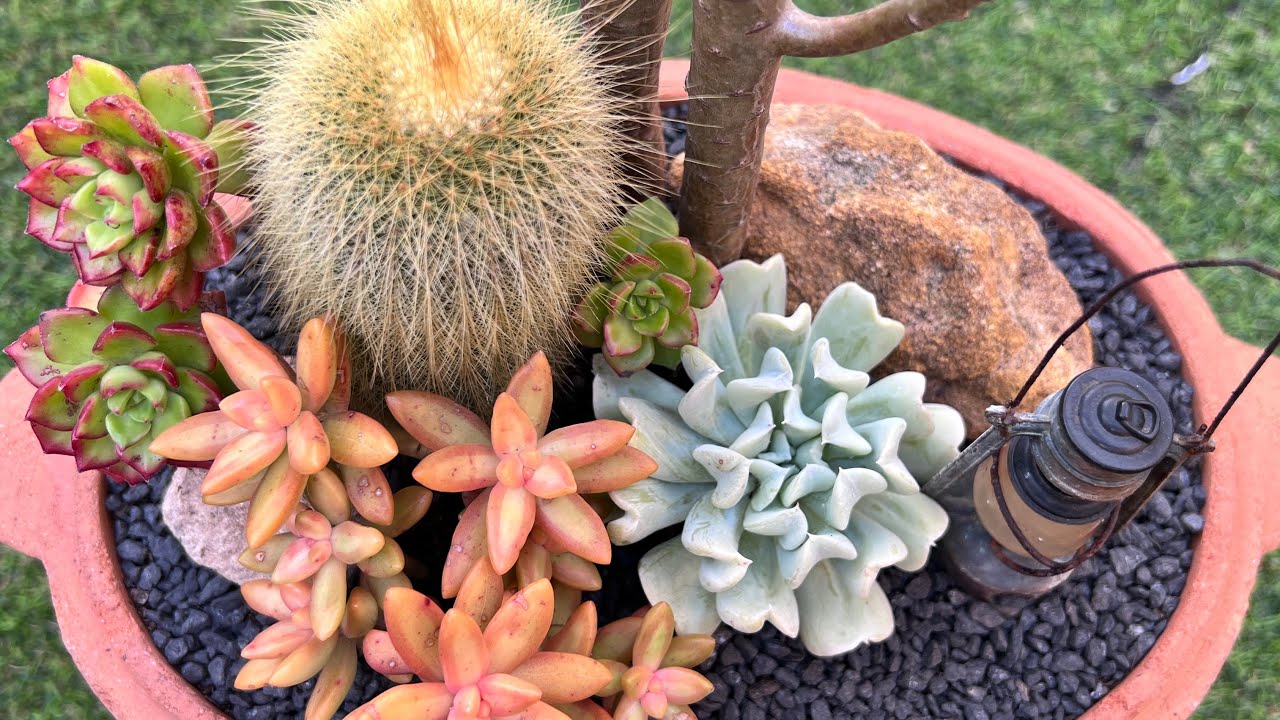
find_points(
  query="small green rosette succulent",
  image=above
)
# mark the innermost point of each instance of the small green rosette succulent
(109, 381)
(646, 311)
(795, 476)
(122, 177)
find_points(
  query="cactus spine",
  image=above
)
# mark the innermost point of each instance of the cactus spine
(439, 174)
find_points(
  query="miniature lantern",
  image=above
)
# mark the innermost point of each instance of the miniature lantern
(1038, 493)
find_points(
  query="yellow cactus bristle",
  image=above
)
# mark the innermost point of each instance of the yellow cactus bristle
(438, 174)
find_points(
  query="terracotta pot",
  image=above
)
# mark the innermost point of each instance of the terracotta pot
(57, 515)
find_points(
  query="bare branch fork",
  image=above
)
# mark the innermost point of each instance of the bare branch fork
(738, 46)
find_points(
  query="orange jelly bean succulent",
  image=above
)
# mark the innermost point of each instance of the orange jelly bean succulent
(532, 480)
(280, 429)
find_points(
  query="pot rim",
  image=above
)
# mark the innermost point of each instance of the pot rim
(103, 632)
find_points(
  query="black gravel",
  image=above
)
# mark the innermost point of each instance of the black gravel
(950, 656)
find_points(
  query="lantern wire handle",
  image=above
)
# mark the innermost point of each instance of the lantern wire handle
(1202, 444)
(1205, 431)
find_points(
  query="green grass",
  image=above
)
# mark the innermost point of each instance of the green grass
(1083, 82)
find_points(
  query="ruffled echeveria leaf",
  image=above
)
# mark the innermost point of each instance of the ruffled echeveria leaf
(796, 478)
(122, 177)
(107, 383)
(644, 313)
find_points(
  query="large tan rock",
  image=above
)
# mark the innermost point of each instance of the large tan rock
(947, 254)
(212, 535)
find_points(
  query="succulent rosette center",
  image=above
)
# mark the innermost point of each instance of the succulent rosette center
(122, 176)
(794, 474)
(112, 379)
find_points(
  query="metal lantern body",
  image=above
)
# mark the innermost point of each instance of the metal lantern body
(1038, 493)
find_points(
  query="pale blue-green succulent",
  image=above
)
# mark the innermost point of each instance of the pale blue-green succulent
(794, 474)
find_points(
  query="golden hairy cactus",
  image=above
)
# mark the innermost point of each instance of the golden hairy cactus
(437, 173)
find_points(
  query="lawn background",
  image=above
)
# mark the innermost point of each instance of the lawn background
(1085, 82)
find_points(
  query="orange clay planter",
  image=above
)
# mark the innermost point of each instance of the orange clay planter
(51, 512)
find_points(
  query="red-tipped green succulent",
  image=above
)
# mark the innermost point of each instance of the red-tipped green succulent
(293, 650)
(110, 380)
(470, 673)
(653, 675)
(530, 480)
(281, 429)
(122, 177)
(644, 313)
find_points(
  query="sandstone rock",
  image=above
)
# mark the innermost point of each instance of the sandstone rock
(947, 254)
(212, 536)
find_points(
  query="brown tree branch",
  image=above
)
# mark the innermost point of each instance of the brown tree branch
(738, 47)
(629, 35)
(800, 34)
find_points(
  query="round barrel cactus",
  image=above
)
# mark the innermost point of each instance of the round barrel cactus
(122, 177)
(110, 380)
(795, 476)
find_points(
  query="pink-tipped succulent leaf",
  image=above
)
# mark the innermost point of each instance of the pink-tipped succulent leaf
(469, 672)
(530, 479)
(282, 430)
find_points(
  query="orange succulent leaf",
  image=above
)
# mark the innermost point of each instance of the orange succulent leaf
(538, 711)
(616, 640)
(246, 360)
(551, 479)
(304, 663)
(333, 683)
(353, 542)
(251, 410)
(585, 443)
(241, 459)
(283, 398)
(507, 694)
(308, 444)
(469, 544)
(199, 438)
(409, 505)
(309, 524)
(533, 564)
(511, 431)
(464, 658)
(276, 641)
(624, 468)
(275, 500)
(481, 593)
(361, 614)
(683, 686)
(358, 440)
(370, 493)
(381, 654)
(317, 362)
(264, 597)
(578, 634)
(575, 572)
(413, 622)
(519, 627)
(301, 560)
(340, 397)
(436, 421)
(532, 388)
(564, 677)
(328, 598)
(458, 468)
(418, 701)
(328, 496)
(584, 710)
(654, 638)
(256, 674)
(689, 651)
(570, 522)
(296, 596)
(509, 518)
(386, 562)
